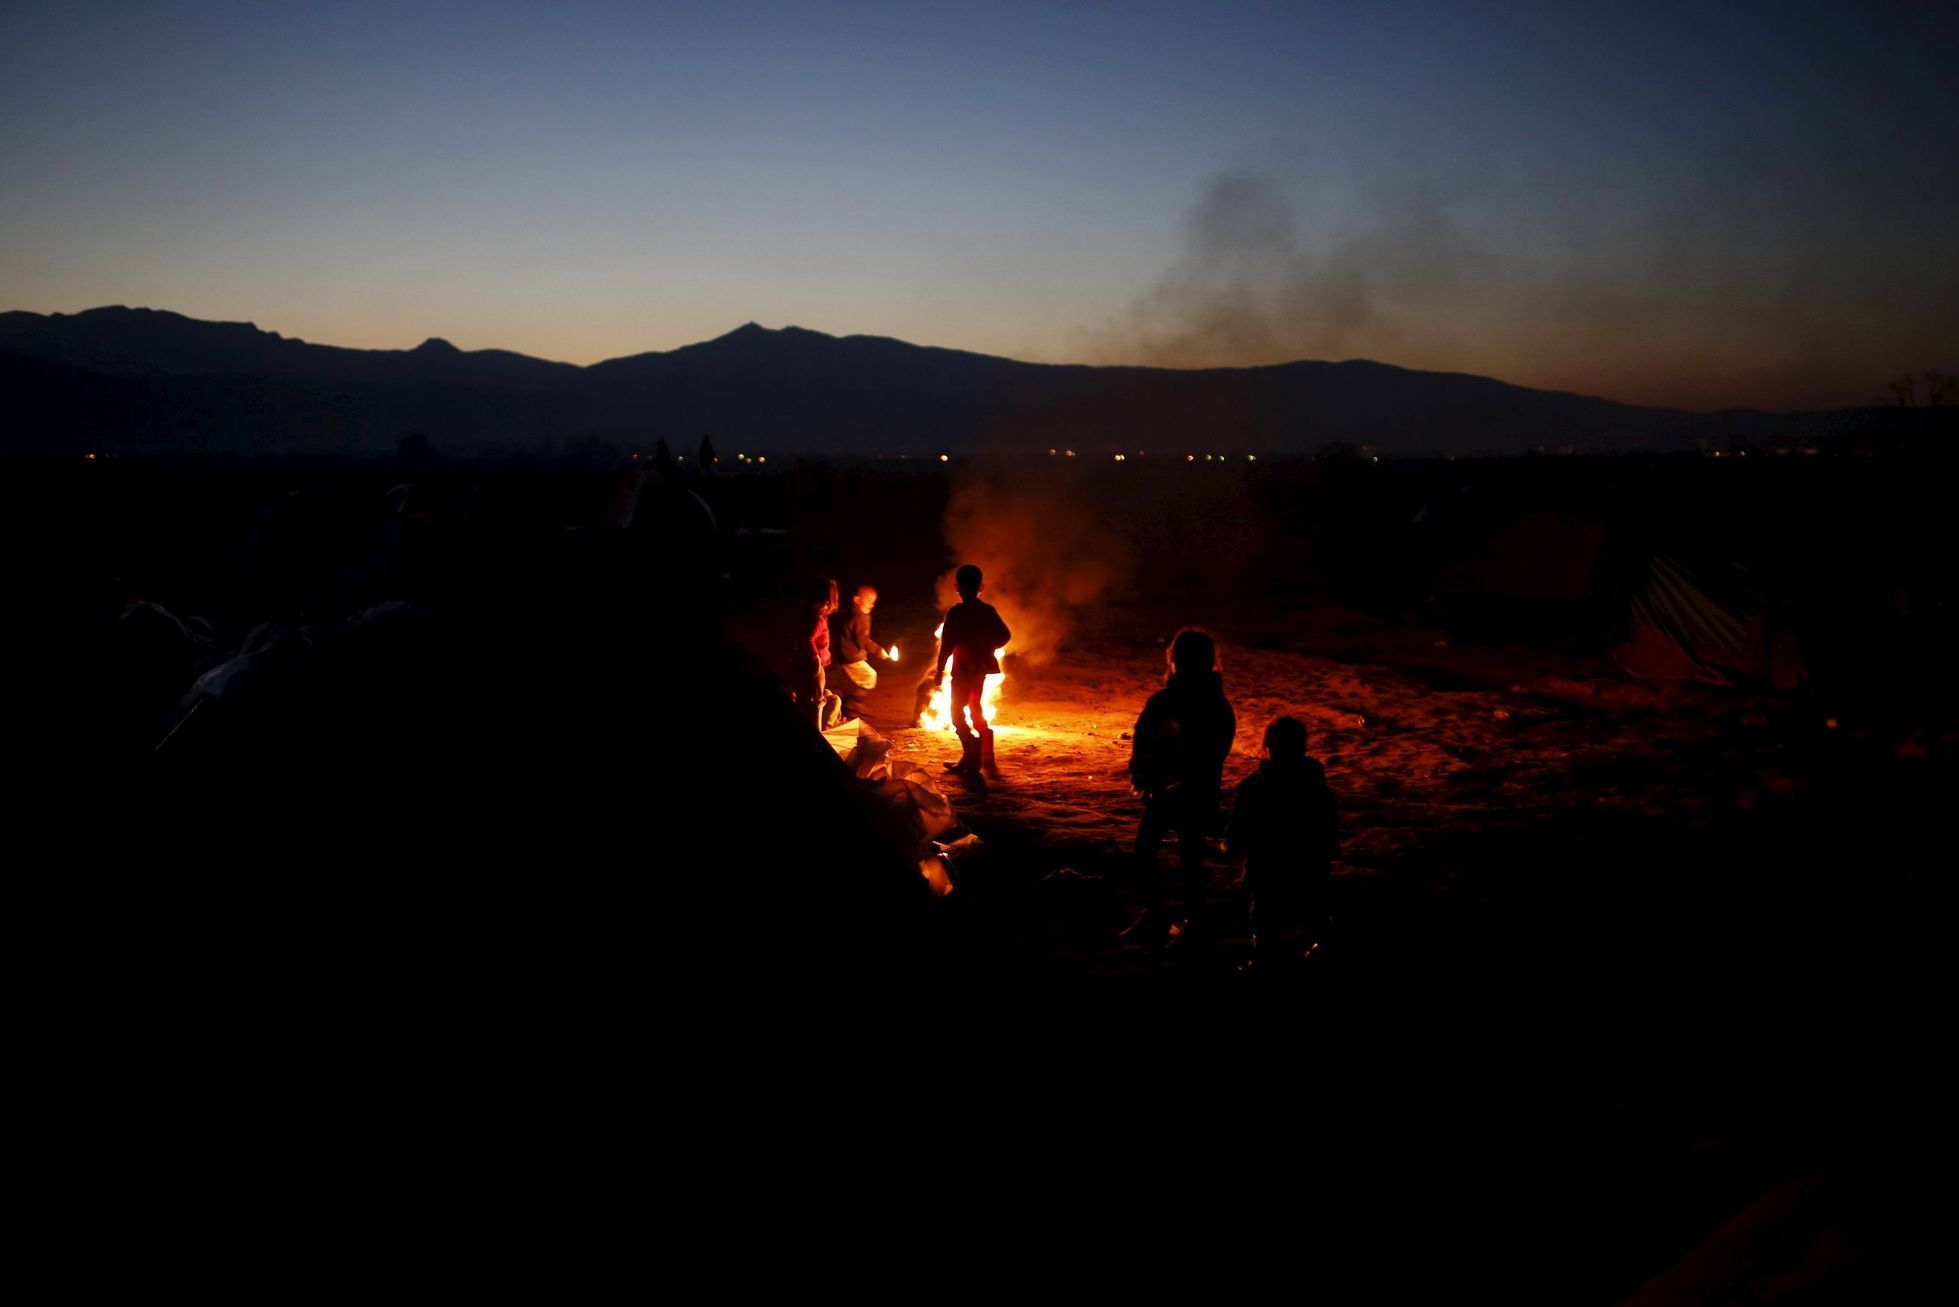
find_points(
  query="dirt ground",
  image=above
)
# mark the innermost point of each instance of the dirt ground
(1426, 745)
(1643, 949)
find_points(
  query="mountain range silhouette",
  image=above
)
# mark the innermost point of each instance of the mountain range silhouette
(138, 380)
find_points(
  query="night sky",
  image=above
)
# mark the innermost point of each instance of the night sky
(1708, 206)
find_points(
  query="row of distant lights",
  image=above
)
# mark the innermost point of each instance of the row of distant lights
(1781, 450)
(682, 458)
(1124, 458)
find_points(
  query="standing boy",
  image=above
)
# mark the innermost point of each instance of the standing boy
(809, 654)
(1284, 825)
(972, 631)
(1176, 764)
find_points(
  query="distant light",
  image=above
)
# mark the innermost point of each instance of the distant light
(1190, 458)
(1071, 453)
(635, 456)
(1207, 458)
(1118, 458)
(1377, 458)
(1251, 458)
(91, 458)
(1052, 452)
(945, 458)
(763, 459)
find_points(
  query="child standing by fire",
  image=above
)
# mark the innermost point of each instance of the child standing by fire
(809, 655)
(1177, 766)
(972, 631)
(1285, 826)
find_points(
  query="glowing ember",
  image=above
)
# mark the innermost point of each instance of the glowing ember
(894, 653)
(938, 714)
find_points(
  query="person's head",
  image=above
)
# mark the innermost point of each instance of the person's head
(1285, 739)
(823, 595)
(865, 599)
(969, 581)
(1192, 653)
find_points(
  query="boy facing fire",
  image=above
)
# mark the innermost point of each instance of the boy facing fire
(972, 631)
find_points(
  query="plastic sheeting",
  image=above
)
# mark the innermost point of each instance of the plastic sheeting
(908, 788)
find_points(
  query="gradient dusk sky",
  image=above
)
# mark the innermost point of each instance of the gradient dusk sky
(1702, 205)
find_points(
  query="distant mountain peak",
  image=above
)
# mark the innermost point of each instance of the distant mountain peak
(436, 345)
(755, 331)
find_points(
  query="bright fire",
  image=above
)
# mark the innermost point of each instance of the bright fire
(938, 714)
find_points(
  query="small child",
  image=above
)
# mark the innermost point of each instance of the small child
(857, 651)
(809, 655)
(1285, 826)
(972, 631)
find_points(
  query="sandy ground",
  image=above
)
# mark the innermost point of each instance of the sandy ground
(1442, 758)
(1652, 935)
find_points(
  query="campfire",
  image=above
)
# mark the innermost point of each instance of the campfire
(938, 713)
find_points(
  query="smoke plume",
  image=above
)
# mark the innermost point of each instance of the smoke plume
(1048, 556)
(1256, 284)
(1761, 272)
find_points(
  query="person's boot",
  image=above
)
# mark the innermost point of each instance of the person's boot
(991, 768)
(968, 766)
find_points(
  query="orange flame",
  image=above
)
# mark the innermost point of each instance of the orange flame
(938, 713)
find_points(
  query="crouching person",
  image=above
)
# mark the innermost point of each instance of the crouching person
(1285, 826)
(858, 654)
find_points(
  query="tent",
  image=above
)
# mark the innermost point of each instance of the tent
(1683, 625)
(1553, 575)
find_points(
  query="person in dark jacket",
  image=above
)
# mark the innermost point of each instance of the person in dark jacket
(857, 653)
(1285, 826)
(970, 640)
(1176, 765)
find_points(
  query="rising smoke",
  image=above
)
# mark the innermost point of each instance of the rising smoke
(1047, 554)
(1254, 284)
(1759, 273)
